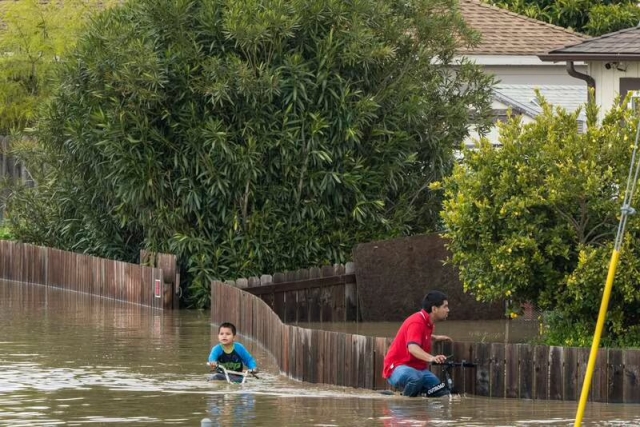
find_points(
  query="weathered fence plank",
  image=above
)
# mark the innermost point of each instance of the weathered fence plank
(512, 371)
(525, 356)
(599, 387)
(616, 376)
(555, 373)
(541, 363)
(81, 273)
(569, 376)
(497, 370)
(631, 387)
(482, 359)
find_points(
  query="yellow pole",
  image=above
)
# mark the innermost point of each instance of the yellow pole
(584, 395)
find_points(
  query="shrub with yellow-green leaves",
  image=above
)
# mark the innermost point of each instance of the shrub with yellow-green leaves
(535, 220)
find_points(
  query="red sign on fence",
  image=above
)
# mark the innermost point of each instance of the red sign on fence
(158, 289)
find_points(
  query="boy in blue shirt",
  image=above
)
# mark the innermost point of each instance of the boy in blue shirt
(230, 354)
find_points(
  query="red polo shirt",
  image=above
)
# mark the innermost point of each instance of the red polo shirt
(416, 329)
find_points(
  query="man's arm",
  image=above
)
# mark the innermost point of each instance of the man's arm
(417, 352)
(437, 338)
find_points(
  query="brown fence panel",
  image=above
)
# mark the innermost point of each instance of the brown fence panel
(5, 256)
(556, 379)
(569, 374)
(313, 302)
(319, 363)
(631, 381)
(616, 376)
(369, 375)
(582, 359)
(16, 262)
(541, 363)
(81, 273)
(338, 303)
(526, 379)
(599, 385)
(463, 378)
(290, 307)
(301, 341)
(381, 347)
(512, 370)
(279, 306)
(359, 348)
(482, 359)
(497, 370)
(147, 280)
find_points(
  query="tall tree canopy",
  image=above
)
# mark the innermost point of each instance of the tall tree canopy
(252, 136)
(536, 221)
(592, 17)
(34, 35)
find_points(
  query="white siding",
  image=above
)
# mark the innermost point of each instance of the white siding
(542, 75)
(608, 82)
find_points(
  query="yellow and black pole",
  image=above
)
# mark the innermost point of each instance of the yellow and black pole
(626, 211)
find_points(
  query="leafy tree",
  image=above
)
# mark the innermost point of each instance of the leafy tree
(592, 17)
(252, 136)
(35, 35)
(536, 219)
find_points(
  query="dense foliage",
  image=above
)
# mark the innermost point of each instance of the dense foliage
(536, 219)
(251, 136)
(5, 233)
(35, 35)
(592, 17)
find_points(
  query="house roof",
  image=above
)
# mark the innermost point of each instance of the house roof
(623, 45)
(522, 98)
(507, 33)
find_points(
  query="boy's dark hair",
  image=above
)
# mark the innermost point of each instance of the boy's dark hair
(433, 298)
(228, 326)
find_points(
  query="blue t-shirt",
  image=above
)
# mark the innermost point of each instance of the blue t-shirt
(233, 360)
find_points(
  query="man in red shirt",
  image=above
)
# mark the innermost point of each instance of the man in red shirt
(406, 365)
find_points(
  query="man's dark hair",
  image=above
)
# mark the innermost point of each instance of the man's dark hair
(433, 298)
(228, 326)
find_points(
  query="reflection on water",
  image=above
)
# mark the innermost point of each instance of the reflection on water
(70, 359)
(503, 331)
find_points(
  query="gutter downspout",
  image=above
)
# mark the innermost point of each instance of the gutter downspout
(591, 83)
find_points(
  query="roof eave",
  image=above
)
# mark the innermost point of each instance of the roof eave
(561, 56)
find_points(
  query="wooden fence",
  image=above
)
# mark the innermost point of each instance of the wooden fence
(502, 370)
(327, 294)
(339, 293)
(83, 273)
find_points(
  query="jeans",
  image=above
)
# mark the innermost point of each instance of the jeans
(413, 382)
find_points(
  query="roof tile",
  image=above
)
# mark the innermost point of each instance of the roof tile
(621, 42)
(507, 33)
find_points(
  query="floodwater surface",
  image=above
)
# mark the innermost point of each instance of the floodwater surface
(71, 359)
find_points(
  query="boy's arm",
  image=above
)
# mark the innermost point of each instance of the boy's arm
(215, 354)
(246, 357)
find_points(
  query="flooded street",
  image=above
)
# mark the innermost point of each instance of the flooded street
(71, 359)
